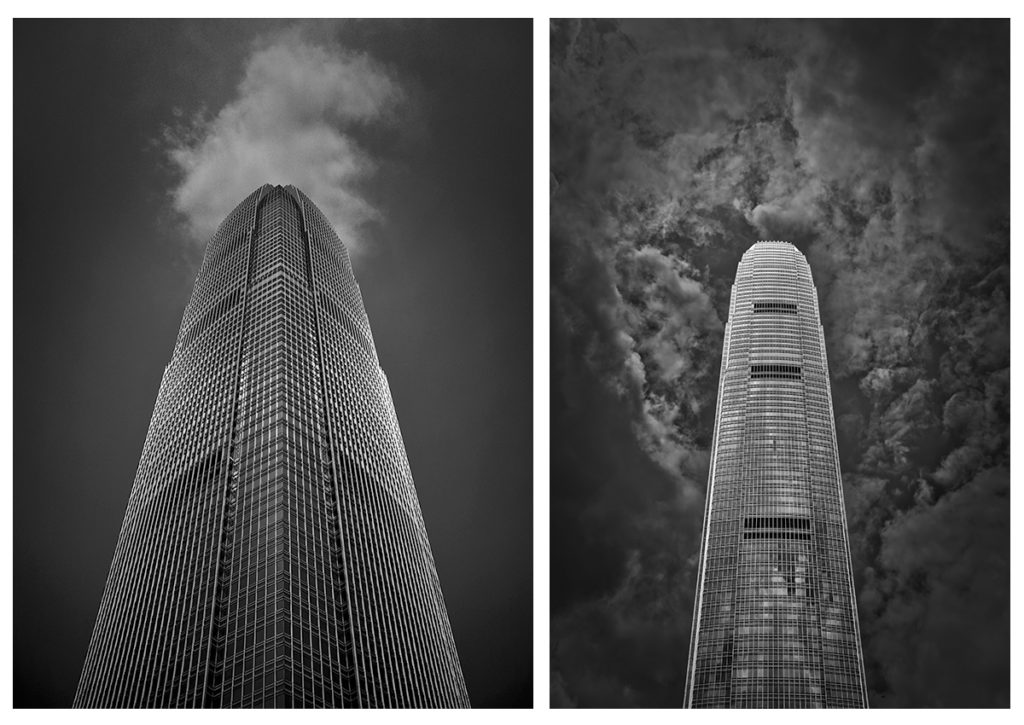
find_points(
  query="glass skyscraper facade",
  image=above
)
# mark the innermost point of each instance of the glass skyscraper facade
(273, 553)
(775, 619)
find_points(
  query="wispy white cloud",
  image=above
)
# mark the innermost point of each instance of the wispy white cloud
(294, 120)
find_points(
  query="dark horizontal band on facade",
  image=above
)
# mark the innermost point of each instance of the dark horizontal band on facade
(774, 308)
(777, 522)
(800, 535)
(777, 371)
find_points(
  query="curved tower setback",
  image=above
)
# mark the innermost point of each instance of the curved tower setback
(775, 621)
(273, 552)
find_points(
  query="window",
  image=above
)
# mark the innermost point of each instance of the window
(776, 371)
(774, 308)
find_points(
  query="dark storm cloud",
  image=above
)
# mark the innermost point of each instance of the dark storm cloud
(616, 545)
(881, 150)
(295, 119)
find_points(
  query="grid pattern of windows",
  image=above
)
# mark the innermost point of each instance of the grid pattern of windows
(273, 553)
(775, 622)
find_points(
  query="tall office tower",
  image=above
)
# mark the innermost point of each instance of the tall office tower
(775, 621)
(273, 553)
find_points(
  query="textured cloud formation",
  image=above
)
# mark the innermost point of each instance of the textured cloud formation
(295, 120)
(881, 149)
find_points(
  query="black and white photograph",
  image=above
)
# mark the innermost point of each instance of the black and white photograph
(780, 363)
(273, 363)
(526, 361)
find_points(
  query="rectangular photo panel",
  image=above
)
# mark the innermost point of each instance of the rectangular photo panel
(780, 349)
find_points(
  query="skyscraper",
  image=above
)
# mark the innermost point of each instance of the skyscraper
(775, 621)
(273, 552)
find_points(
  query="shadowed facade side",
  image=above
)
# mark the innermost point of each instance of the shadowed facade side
(775, 621)
(273, 553)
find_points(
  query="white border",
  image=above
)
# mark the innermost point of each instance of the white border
(541, 12)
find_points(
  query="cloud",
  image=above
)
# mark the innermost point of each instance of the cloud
(295, 119)
(941, 567)
(639, 656)
(881, 150)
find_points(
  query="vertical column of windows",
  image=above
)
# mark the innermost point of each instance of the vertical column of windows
(256, 668)
(234, 378)
(374, 491)
(345, 673)
(182, 682)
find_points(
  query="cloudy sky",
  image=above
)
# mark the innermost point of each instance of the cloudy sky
(132, 140)
(881, 149)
